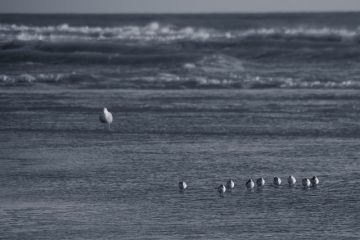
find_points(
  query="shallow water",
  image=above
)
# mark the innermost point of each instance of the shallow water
(63, 175)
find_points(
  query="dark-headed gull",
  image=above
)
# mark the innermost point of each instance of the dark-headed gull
(250, 183)
(260, 182)
(221, 189)
(306, 182)
(230, 184)
(314, 181)
(277, 181)
(182, 186)
(291, 180)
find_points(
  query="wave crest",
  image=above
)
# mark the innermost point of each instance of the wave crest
(302, 33)
(151, 31)
(166, 80)
(154, 31)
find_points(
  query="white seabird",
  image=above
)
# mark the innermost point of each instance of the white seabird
(277, 181)
(182, 186)
(306, 182)
(106, 117)
(260, 182)
(221, 189)
(314, 181)
(230, 184)
(250, 183)
(291, 180)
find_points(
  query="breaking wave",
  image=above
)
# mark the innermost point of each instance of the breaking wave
(216, 71)
(174, 53)
(171, 81)
(152, 31)
(155, 31)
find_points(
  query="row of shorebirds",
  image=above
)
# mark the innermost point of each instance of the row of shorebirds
(106, 117)
(260, 182)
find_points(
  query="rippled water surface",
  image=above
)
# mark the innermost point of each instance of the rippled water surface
(64, 176)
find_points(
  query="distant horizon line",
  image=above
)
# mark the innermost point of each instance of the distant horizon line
(179, 13)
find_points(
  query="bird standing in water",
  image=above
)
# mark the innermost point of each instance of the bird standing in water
(314, 181)
(260, 182)
(221, 189)
(291, 180)
(250, 184)
(277, 181)
(106, 117)
(306, 182)
(182, 186)
(230, 185)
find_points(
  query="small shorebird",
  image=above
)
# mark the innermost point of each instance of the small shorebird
(314, 180)
(291, 180)
(250, 184)
(221, 189)
(106, 117)
(306, 182)
(230, 184)
(260, 182)
(277, 181)
(182, 186)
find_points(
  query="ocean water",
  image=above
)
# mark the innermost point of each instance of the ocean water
(181, 51)
(197, 98)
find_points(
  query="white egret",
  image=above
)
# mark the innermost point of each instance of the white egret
(106, 117)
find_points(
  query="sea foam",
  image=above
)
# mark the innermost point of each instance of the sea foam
(155, 31)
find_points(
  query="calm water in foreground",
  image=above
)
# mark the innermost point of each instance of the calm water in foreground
(63, 176)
